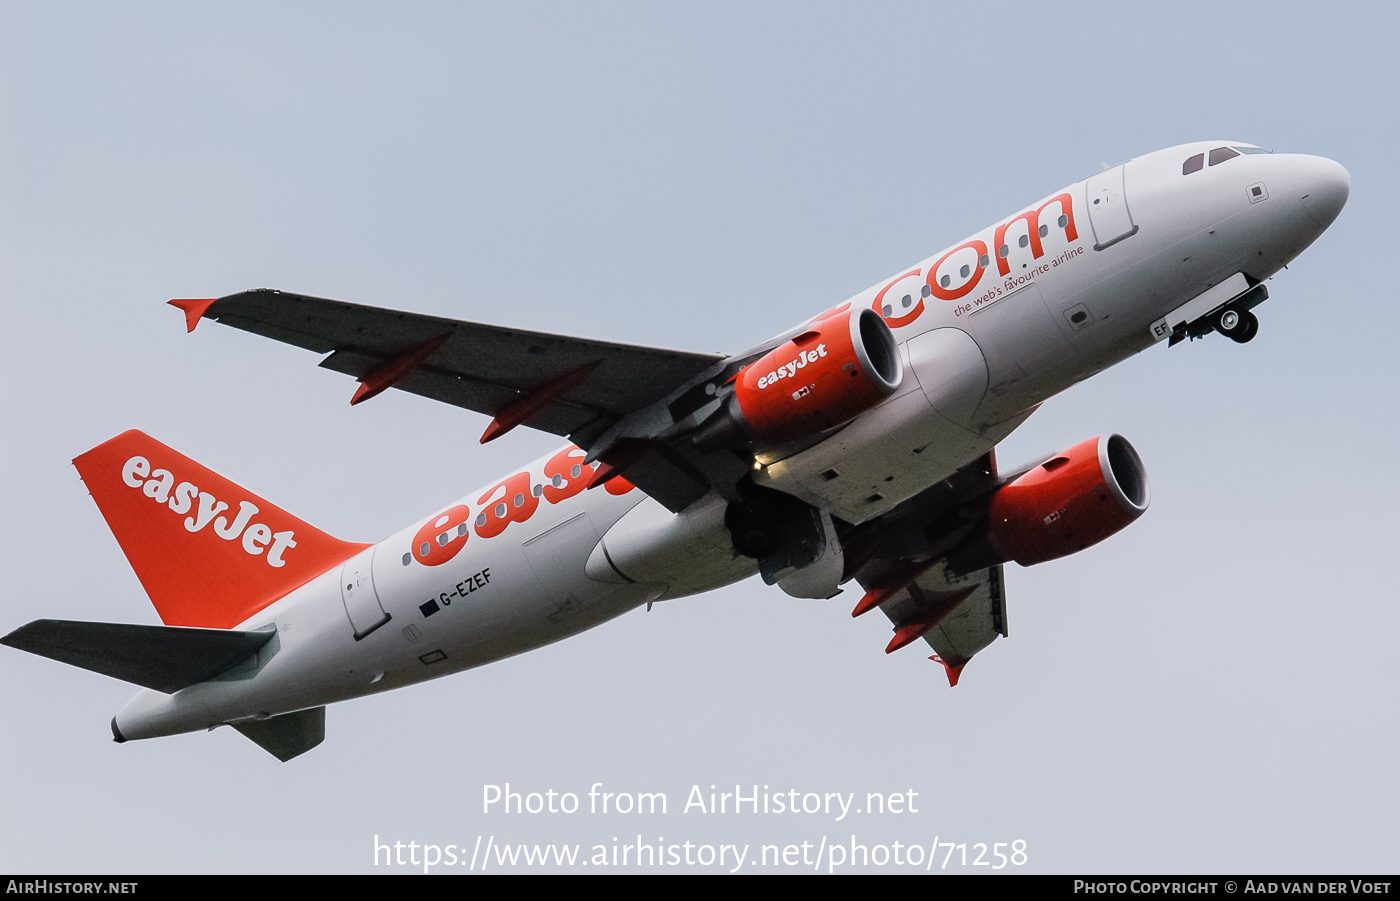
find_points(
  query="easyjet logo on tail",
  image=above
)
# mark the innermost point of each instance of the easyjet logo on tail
(515, 499)
(162, 508)
(205, 509)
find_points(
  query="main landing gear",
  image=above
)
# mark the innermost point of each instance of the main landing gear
(1238, 327)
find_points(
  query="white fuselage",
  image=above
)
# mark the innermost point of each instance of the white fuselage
(986, 336)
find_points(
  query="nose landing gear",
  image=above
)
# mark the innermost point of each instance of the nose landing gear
(1240, 327)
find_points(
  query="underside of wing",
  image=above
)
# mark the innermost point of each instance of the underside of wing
(902, 562)
(975, 622)
(568, 386)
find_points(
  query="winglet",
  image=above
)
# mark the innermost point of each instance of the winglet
(194, 308)
(954, 672)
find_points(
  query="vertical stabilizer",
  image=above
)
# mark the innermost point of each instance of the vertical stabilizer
(208, 552)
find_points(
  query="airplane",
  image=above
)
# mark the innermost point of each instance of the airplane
(858, 445)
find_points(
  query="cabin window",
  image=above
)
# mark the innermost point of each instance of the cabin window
(1193, 164)
(1221, 154)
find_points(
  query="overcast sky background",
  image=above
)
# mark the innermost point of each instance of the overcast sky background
(1212, 690)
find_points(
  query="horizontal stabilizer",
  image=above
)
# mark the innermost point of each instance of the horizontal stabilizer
(289, 735)
(166, 658)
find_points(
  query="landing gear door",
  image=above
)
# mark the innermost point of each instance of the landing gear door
(1108, 208)
(357, 592)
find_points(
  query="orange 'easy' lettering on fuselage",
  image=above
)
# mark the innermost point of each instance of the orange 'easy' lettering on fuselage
(510, 501)
(515, 499)
(564, 474)
(442, 537)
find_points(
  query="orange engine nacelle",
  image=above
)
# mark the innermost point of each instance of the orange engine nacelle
(840, 366)
(1073, 500)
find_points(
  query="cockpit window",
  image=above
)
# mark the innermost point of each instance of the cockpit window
(1221, 154)
(1194, 164)
(1253, 150)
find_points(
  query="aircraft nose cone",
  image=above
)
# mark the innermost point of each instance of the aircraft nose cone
(1323, 187)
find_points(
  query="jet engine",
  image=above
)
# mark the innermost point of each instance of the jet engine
(838, 367)
(1071, 501)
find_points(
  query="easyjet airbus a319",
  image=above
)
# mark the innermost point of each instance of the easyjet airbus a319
(857, 446)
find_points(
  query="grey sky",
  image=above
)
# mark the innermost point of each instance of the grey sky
(1211, 690)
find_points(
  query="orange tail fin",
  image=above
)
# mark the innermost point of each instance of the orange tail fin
(208, 552)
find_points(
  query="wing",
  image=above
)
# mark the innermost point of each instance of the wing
(901, 559)
(576, 387)
(976, 619)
